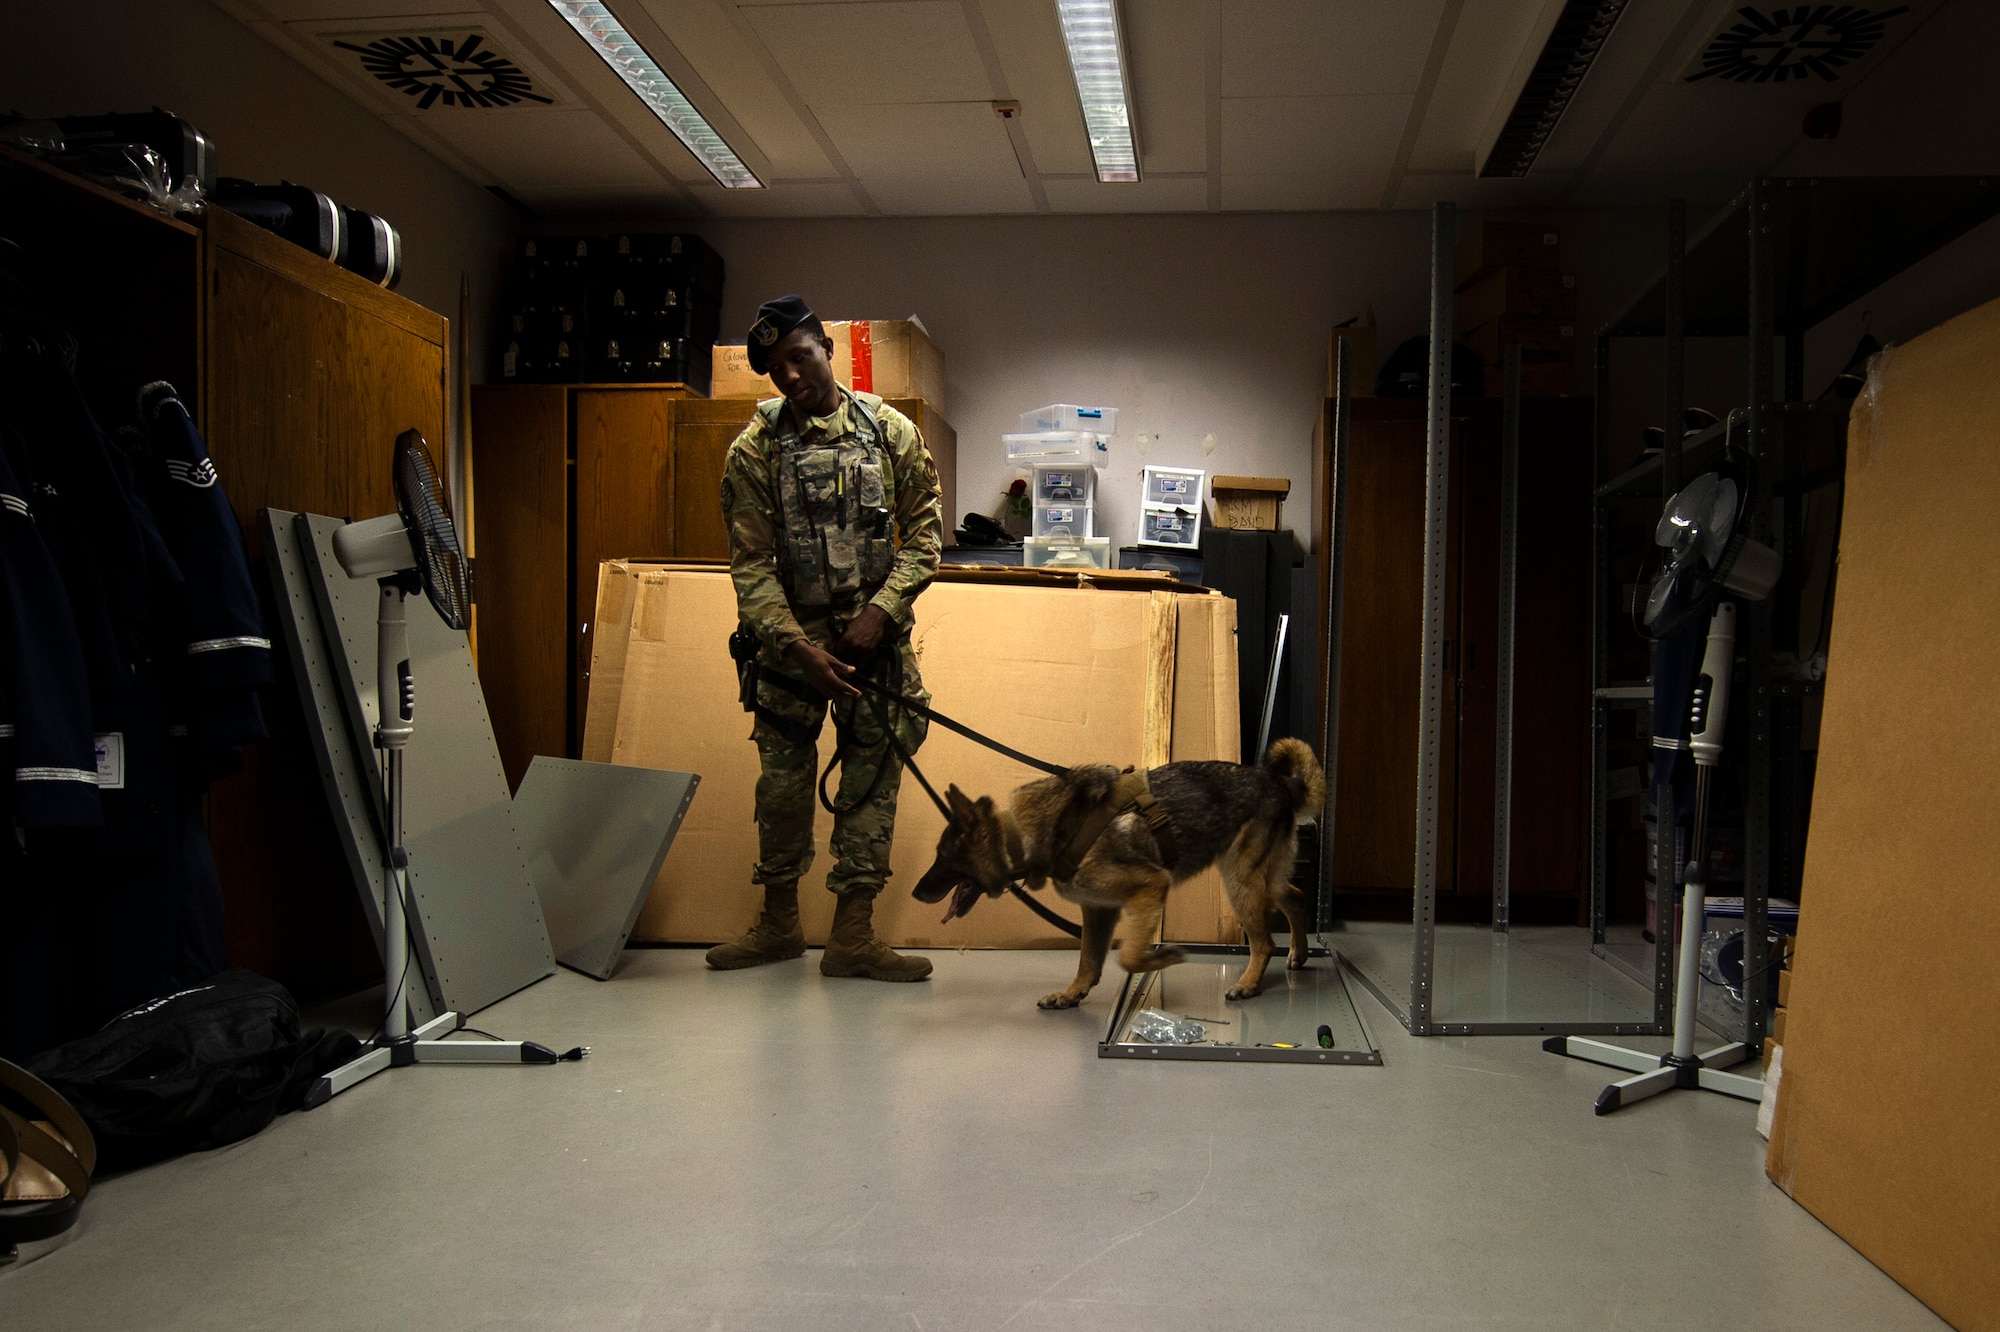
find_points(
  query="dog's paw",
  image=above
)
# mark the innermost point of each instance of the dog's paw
(1295, 962)
(1242, 991)
(1060, 999)
(1160, 957)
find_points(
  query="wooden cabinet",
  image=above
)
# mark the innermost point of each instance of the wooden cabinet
(568, 476)
(312, 373)
(1381, 635)
(301, 376)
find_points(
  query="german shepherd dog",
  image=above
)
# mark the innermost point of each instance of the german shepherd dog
(1245, 818)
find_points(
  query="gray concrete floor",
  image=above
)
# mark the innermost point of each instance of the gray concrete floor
(770, 1150)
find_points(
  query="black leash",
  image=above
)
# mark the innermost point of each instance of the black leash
(924, 710)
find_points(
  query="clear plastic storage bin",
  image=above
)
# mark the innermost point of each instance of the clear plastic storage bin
(1178, 486)
(1076, 484)
(1069, 416)
(1064, 518)
(1081, 448)
(1170, 527)
(1061, 552)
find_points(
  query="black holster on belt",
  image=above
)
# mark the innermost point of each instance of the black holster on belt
(743, 651)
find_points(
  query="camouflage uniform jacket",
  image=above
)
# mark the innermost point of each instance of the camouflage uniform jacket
(750, 509)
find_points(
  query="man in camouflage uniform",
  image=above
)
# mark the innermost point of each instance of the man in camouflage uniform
(834, 517)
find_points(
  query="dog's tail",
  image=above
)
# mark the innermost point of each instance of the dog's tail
(1293, 765)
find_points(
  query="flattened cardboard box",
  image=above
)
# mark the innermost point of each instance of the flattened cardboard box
(1887, 1122)
(1068, 674)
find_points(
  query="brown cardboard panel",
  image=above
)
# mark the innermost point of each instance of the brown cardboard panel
(1888, 1115)
(616, 587)
(1205, 727)
(1061, 673)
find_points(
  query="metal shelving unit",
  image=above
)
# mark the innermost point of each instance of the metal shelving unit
(1784, 255)
(1462, 981)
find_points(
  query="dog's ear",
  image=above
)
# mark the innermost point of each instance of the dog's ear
(961, 806)
(985, 806)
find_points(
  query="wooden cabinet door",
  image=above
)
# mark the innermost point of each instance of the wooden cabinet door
(521, 477)
(625, 502)
(703, 432)
(1381, 660)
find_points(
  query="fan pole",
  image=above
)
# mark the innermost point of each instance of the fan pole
(1683, 1069)
(393, 725)
(369, 554)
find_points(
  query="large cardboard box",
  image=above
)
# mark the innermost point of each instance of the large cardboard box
(1537, 292)
(1071, 674)
(1887, 1123)
(1539, 339)
(893, 358)
(1486, 246)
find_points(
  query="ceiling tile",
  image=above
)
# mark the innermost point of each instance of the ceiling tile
(1313, 137)
(936, 197)
(733, 68)
(392, 11)
(947, 141)
(550, 150)
(1486, 42)
(1028, 45)
(876, 51)
(1152, 195)
(1307, 48)
(783, 201)
(1167, 42)
(1295, 193)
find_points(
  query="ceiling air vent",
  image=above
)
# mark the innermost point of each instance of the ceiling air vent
(1799, 42)
(460, 69)
(1579, 34)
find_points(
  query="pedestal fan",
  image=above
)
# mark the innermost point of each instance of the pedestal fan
(414, 549)
(1704, 556)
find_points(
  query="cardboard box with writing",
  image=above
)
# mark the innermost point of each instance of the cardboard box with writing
(1247, 503)
(1074, 675)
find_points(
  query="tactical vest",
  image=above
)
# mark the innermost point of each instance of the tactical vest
(837, 526)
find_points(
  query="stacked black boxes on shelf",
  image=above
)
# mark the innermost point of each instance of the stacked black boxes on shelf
(642, 308)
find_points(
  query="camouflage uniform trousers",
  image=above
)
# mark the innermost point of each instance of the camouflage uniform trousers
(871, 774)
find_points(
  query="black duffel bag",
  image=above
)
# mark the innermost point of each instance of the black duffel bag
(196, 1069)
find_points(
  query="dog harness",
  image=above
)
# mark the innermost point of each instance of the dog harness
(1130, 794)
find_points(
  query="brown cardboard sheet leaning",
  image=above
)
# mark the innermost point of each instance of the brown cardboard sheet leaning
(1112, 674)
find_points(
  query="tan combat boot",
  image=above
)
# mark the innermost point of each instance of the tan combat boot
(853, 950)
(774, 938)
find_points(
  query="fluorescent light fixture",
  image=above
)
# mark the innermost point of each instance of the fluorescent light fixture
(621, 50)
(1097, 60)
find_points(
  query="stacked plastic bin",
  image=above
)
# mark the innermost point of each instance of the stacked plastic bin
(1064, 446)
(1170, 508)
